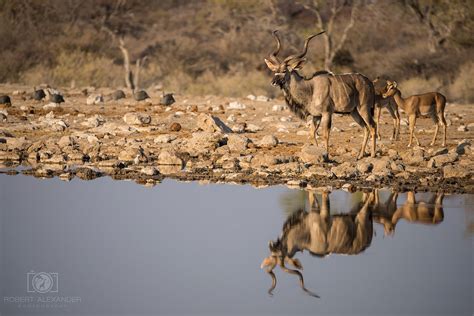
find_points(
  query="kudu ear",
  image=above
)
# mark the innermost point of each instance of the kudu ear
(269, 261)
(271, 65)
(295, 64)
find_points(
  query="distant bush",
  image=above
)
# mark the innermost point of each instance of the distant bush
(83, 69)
(417, 85)
(462, 89)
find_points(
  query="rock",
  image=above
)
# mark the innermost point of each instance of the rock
(463, 147)
(236, 106)
(9, 156)
(302, 133)
(192, 108)
(353, 124)
(94, 121)
(231, 118)
(239, 128)
(92, 139)
(163, 139)
(137, 118)
(59, 125)
(313, 154)
(65, 141)
(347, 187)
(175, 127)
(149, 171)
(295, 183)
(413, 156)
(279, 107)
(344, 170)
(403, 122)
(262, 98)
(263, 160)
(203, 143)
(437, 151)
(441, 160)
(364, 166)
(3, 115)
(218, 109)
(237, 143)
(210, 123)
(268, 141)
(167, 157)
(18, 143)
(87, 173)
(451, 171)
(94, 99)
(462, 128)
(252, 128)
(128, 154)
(251, 97)
(50, 106)
(18, 92)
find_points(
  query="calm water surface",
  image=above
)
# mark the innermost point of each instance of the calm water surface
(111, 247)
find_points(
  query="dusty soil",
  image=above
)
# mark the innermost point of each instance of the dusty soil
(147, 142)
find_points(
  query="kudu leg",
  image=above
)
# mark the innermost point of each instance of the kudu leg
(326, 125)
(314, 126)
(366, 115)
(359, 120)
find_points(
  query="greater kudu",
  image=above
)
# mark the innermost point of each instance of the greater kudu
(323, 94)
(320, 233)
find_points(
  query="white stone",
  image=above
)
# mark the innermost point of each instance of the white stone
(236, 106)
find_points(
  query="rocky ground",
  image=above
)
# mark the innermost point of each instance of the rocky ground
(248, 140)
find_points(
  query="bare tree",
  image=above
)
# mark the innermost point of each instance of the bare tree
(118, 21)
(439, 27)
(331, 45)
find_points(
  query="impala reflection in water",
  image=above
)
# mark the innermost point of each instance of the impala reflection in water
(322, 233)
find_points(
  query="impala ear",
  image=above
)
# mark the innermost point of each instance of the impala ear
(296, 64)
(271, 65)
(395, 84)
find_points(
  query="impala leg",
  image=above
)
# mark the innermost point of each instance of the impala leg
(396, 122)
(412, 122)
(443, 123)
(435, 134)
(378, 110)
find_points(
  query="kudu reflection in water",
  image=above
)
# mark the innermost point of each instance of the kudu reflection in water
(388, 214)
(320, 233)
